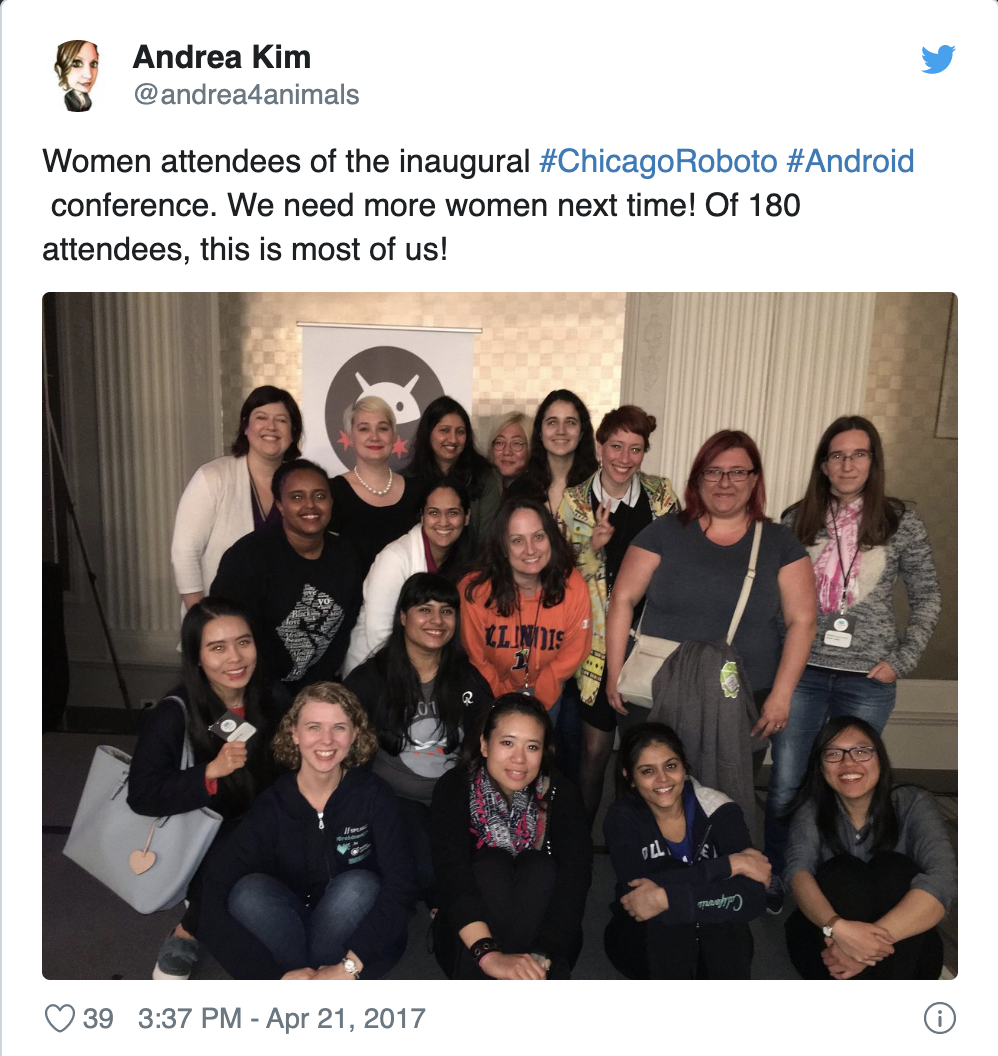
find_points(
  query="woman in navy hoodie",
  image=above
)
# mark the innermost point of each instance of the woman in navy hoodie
(688, 879)
(317, 883)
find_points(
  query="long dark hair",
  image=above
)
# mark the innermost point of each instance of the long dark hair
(815, 789)
(459, 555)
(393, 713)
(881, 513)
(260, 397)
(471, 468)
(536, 478)
(633, 742)
(725, 440)
(205, 707)
(494, 567)
(508, 704)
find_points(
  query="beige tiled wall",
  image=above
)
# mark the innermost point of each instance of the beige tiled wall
(902, 398)
(530, 342)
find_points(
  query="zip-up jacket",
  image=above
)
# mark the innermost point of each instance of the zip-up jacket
(700, 892)
(283, 837)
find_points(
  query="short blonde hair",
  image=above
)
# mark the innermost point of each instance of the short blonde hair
(366, 744)
(372, 405)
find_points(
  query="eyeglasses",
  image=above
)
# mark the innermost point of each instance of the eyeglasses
(859, 755)
(736, 476)
(515, 445)
(837, 458)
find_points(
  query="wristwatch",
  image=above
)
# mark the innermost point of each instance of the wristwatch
(827, 930)
(350, 967)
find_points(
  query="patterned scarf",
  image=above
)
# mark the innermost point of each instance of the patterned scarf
(513, 827)
(828, 570)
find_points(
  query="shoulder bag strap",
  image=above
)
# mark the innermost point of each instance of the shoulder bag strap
(187, 758)
(747, 584)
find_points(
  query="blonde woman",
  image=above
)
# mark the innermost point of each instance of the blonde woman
(372, 504)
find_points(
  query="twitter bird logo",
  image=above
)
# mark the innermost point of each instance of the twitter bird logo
(937, 61)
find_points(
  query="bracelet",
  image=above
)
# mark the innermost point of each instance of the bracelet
(481, 949)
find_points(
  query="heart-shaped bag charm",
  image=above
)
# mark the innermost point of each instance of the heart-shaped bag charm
(141, 861)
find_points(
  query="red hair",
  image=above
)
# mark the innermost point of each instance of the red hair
(725, 440)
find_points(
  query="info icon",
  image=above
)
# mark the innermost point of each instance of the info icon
(401, 378)
(940, 1017)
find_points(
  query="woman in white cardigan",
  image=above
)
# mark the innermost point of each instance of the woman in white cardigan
(230, 496)
(433, 545)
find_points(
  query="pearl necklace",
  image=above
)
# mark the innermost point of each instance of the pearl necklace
(375, 491)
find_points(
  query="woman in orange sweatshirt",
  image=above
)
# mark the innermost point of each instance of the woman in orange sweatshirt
(526, 621)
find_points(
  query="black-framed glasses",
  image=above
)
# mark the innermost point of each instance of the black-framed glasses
(860, 754)
(839, 458)
(736, 476)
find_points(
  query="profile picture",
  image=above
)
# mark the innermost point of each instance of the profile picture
(76, 65)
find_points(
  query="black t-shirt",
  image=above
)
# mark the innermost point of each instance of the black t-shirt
(302, 610)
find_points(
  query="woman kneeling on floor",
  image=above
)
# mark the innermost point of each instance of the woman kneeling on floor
(688, 879)
(318, 882)
(511, 853)
(869, 864)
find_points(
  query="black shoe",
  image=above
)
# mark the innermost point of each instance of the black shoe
(775, 896)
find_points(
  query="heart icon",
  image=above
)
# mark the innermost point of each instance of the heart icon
(141, 861)
(60, 1016)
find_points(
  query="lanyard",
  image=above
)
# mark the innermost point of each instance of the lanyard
(847, 572)
(523, 653)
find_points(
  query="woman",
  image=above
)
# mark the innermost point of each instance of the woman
(869, 864)
(437, 544)
(509, 447)
(231, 496)
(526, 621)
(511, 853)
(688, 879)
(76, 63)
(219, 675)
(372, 506)
(860, 542)
(421, 695)
(317, 882)
(602, 516)
(444, 446)
(561, 450)
(690, 570)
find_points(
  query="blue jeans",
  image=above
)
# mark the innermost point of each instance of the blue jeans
(821, 694)
(299, 936)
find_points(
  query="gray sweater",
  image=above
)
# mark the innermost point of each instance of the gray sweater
(922, 837)
(907, 554)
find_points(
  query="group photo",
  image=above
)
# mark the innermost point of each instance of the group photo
(500, 636)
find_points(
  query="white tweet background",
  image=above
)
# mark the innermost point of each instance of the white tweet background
(455, 77)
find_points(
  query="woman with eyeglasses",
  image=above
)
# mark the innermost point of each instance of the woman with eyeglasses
(509, 448)
(860, 542)
(690, 570)
(869, 864)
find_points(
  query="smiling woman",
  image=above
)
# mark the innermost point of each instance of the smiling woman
(684, 860)
(76, 63)
(421, 695)
(372, 504)
(438, 543)
(231, 496)
(511, 853)
(317, 884)
(869, 863)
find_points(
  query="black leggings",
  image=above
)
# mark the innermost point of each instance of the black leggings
(653, 950)
(865, 891)
(517, 892)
